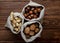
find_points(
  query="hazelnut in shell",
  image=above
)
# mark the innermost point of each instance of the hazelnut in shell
(27, 30)
(32, 27)
(37, 30)
(25, 15)
(35, 16)
(30, 12)
(29, 17)
(35, 11)
(31, 33)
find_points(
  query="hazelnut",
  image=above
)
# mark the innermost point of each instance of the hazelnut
(27, 30)
(29, 17)
(32, 8)
(37, 30)
(35, 11)
(30, 12)
(32, 27)
(28, 7)
(31, 33)
(39, 9)
(35, 16)
(25, 15)
(32, 15)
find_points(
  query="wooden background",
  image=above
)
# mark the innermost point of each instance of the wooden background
(51, 22)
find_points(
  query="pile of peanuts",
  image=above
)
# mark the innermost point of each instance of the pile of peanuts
(31, 30)
(16, 22)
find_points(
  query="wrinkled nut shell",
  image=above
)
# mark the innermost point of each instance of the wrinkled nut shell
(37, 30)
(31, 33)
(32, 27)
(27, 30)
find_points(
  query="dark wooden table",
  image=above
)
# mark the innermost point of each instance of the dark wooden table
(51, 22)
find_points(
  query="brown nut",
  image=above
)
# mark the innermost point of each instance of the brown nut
(32, 15)
(37, 30)
(32, 8)
(30, 12)
(27, 30)
(25, 15)
(29, 17)
(32, 27)
(35, 11)
(28, 7)
(35, 16)
(39, 9)
(31, 33)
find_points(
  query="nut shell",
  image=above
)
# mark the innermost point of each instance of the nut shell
(31, 33)
(27, 30)
(32, 27)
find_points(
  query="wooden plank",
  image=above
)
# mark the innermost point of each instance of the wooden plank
(48, 22)
(13, 0)
(7, 35)
(12, 5)
(24, 0)
(51, 9)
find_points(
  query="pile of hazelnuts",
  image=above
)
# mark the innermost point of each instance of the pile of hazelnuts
(32, 12)
(31, 29)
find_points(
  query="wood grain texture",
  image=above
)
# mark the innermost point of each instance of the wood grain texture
(51, 21)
